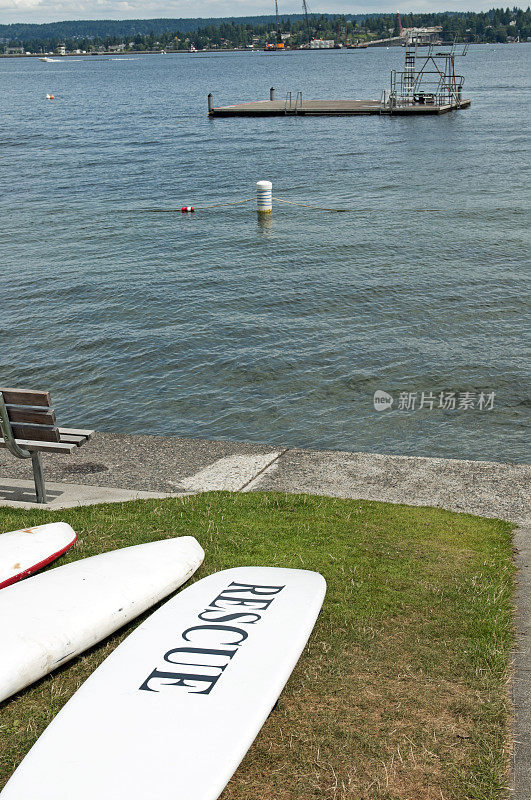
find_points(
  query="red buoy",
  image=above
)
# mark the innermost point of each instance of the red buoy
(184, 209)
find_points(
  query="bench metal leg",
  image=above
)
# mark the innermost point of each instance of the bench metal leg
(38, 477)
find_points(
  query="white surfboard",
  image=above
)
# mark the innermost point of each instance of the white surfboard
(50, 618)
(173, 710)
(29, 549)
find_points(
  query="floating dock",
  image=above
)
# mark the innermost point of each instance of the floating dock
(428, 84)
(335, 108)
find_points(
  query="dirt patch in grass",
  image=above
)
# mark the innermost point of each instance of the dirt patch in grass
(401, 693)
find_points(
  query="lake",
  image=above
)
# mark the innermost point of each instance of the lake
(225, 326)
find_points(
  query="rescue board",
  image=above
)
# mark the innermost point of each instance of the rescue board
(173, 710)
(50, 618)
(29, 549)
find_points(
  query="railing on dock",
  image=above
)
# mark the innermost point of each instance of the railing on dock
(289, 106)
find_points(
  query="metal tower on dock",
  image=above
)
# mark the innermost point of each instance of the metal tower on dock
(428, 79)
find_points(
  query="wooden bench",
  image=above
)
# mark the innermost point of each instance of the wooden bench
(27, 424)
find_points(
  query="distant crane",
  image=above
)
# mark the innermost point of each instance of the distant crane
(305, 9)
(399, 22)
(279, 45)
(341, 34)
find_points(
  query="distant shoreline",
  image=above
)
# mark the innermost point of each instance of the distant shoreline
(229, 50)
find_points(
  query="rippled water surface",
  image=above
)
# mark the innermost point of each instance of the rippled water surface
(222, 326)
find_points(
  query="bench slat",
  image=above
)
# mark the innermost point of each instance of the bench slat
(40, 433)
(37, 416)
(76, 432)
(43, 447)
(77, 440)
(26, 397)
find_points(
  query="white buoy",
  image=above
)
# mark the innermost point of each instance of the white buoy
(264, 197)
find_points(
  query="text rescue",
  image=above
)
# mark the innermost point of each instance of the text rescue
(201, 677)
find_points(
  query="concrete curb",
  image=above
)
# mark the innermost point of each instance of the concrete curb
(521, 778)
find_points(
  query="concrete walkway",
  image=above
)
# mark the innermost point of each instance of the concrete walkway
(175, 465)
(114, 468)
(21, 494)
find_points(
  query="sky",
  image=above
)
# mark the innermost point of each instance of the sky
(56, 10)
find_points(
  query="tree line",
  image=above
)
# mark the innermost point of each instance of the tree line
(496, 25)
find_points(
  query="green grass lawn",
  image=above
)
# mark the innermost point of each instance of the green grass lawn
(402, 692)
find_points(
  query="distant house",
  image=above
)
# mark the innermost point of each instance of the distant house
(116, 48)
(14, 51)
(61, 50)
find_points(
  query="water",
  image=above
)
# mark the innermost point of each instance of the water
(221, 326)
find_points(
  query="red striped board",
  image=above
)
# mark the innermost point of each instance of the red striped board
(51, 618)
(173, 710)
(25, 551)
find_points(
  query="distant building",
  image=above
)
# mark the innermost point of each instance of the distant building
(321, 44)
(116, 48)
(61, 50)
(14, 51)
(422, 35)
